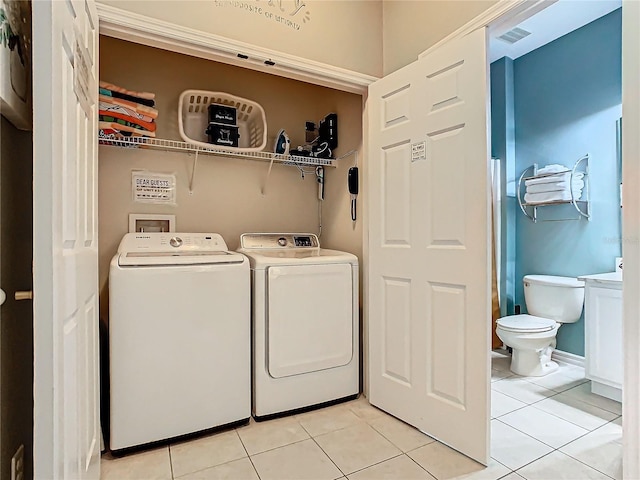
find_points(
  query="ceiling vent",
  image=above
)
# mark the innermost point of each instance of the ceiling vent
(514, 35)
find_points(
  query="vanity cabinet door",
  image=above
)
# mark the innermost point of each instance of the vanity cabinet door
(603, 335)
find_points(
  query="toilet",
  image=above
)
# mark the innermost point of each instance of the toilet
(551, 301)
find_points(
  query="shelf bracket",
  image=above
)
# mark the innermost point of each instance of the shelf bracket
(348, 154)
(193, 172)
(266, 179)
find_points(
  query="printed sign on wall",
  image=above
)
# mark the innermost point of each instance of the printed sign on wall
(151, 187)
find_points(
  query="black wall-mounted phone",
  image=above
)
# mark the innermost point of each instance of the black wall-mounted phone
(352, 180)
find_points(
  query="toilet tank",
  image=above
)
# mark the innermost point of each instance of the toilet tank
(558, 298)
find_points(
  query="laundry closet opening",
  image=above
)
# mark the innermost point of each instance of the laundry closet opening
(229, 195)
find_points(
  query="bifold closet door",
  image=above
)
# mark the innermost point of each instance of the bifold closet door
(429, 245)
(65, 266)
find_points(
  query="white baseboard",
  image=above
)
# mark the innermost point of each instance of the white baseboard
(568, 358)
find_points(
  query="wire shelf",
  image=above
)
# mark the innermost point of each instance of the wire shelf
(179, 146)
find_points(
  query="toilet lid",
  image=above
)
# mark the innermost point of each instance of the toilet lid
(526, 323)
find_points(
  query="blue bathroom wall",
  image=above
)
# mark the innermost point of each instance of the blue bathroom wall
(567, 98)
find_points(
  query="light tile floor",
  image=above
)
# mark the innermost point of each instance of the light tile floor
(541, 428)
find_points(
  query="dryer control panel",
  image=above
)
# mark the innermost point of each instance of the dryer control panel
(279, 240)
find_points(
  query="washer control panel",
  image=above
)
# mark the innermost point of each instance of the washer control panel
(172, 242)
(279, 240)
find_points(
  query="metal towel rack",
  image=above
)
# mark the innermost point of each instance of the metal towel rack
(581, 205)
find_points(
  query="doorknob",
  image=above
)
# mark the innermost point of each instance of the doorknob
(24, 295)
(3, 296)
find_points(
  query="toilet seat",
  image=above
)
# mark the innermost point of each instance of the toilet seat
(526, 324)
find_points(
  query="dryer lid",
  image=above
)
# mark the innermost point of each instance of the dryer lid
(526, 323)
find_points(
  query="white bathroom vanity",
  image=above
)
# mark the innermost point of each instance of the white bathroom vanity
(603, 333)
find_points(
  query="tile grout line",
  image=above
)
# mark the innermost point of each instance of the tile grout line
(320, 447)
(510, 473)
(414, 461)
(538, 440)
(246, 451)
(311, 437)
(217, 465)
(398, 446)
(375, 430)
(573, 423)
(554, 450)
(563, 445)
(533, 461)
(336, 430)
(590, 466)
(555, 395)
(327, 455)
(519, 408)
(170, 461)
(558, 450)
(548, 413)
(281, 446)
(523, 401)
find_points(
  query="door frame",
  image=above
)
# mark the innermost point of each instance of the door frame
(148, 31)
(125, 25)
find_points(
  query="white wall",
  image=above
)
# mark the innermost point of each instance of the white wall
(345, 33)
(410, 26)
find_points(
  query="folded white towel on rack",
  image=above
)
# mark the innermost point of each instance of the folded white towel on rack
(558, 196)
(553, 168)
(555, 186)
(559, 177)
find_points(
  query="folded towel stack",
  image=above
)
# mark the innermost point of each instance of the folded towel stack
(125, 113)
(556, 186)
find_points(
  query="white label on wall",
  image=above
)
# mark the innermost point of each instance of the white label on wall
(418, 151)
(151, 187)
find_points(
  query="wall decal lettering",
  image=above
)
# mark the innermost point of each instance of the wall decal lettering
(289, 13)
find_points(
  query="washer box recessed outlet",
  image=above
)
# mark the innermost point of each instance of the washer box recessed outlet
(148, 222)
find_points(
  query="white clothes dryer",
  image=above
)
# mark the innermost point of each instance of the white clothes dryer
(305, 323)
(179, 337)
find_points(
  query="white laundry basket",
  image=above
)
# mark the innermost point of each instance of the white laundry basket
(193, 119)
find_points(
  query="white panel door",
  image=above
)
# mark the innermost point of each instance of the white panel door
(429, 277)
(65, 72)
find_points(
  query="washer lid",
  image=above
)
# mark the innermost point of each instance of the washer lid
(202, 257)
(140, 249)
(526, 323)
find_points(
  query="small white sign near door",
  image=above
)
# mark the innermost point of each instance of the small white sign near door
(148, 187)
(418, 151)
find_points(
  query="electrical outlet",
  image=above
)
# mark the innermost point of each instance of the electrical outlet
(17, 464)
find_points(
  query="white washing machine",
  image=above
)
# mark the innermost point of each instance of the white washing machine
(179, 337)
(305, 323)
